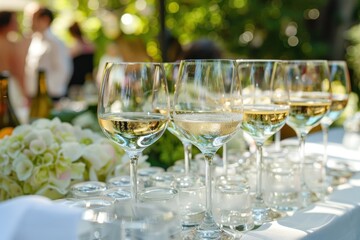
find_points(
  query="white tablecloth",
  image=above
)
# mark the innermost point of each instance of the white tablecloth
(336, 218)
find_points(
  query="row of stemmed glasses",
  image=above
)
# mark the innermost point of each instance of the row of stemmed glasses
(134, 111)
(340, 90)
(209, 108)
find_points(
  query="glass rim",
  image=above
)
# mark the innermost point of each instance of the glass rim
(306, 60)
(132, 63)
(259, 60)
(208, 60)
(337, 62)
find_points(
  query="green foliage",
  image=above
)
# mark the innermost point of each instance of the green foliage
(249, 29)
(353, 59)
(174, 151)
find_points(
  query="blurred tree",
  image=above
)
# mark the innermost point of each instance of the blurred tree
(278, 29)
(251, 29)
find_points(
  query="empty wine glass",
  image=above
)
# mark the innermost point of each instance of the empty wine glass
(133, 108)
(171, 71)
(340, 86)
(266, 108)
(208, 112)
(310, 99)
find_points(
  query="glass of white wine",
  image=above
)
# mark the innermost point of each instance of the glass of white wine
(208, 112)
(341, 88)
(266, 108)
(171, 71)
(310, 100)
(133, 108)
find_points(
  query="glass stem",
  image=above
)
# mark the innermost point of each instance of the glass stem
(208, 180)
(208, 229)
(326, 180)
(325, 130)
(133, 175)
(259, 163)
(187, 156)
(277, 141)
(302, 138)
(225, 159)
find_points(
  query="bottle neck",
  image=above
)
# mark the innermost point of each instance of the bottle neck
(4, 90)
(8, 117)
(42, 88)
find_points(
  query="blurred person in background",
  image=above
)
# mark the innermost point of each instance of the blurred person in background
(82, 53)
(202, 49)
(174, 48)
(46, 52)
(122, 49)
(112, 54)
(13, 49)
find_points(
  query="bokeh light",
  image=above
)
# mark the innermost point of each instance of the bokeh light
(291, 29)
(93, 5)
(140, 5)
(173, 7)
(312, 14)
(293, 41)
(246, 37)
(130, 24)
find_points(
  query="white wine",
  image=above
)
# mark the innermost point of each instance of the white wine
(133, 131)
(262, 121)
(305, 114)
(208, 130)
(338, 104)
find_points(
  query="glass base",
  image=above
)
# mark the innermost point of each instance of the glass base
(262, 215)
(307, 198)
(192, 218)
(221, 234)
(240, 228)
(286, 210)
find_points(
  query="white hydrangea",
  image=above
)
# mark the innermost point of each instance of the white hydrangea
(47, 156)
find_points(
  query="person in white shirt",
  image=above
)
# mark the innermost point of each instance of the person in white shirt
(47, 52)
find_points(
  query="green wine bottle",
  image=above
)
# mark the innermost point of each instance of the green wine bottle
(41, 104)
(8, 118)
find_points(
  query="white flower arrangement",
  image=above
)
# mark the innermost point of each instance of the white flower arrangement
(48, 156)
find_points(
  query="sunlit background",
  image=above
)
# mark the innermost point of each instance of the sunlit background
(326, 29)
(265, 29)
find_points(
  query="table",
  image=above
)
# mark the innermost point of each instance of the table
(337, 217)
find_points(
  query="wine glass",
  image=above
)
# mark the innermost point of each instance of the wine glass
(208, 112)
(266, 108)
(171, 71)
(133, 108)
(310, 99)
(340, 86)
